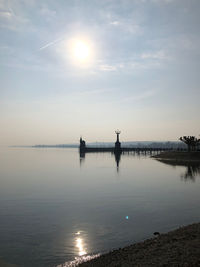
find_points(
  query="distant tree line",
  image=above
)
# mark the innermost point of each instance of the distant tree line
(166, 145)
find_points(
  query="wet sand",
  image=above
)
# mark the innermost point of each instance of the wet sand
(180, 247)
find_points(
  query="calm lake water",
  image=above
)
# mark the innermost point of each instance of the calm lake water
(55, 206)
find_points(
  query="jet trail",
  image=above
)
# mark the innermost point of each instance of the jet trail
(50, 44)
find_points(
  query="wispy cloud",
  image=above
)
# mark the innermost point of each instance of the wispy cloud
(47, 12)
(111, 67)
(139, 63)
(163, 1)
(115, 23)
(142, 96)
(140, 67)
(5, 14)
(10, 18)
(92, 92)
(127, 25)
(159, 55)
(107, 68)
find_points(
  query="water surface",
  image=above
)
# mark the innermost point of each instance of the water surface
(55, 206)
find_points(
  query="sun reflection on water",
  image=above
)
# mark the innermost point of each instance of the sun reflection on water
(82, 252)
(80, 246)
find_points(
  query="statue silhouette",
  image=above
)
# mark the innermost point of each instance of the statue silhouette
(82, 145)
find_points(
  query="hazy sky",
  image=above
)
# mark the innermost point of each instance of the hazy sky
(141, 72)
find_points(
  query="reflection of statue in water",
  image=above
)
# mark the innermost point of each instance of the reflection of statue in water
(117, 150)
(82, 157)
(117, 160)
(82, 150)
(191, 172)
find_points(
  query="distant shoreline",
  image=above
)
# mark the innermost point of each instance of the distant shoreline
(57, 146)
(175, 248)
(179, 157)
(134, 144)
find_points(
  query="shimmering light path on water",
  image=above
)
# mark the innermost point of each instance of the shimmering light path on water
(56, 207)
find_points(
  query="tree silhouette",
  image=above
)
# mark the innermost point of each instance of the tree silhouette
(191, 141)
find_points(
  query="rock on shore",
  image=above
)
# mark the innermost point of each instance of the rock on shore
(176, 248)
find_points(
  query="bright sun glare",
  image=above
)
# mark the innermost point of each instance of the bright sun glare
(81, 51)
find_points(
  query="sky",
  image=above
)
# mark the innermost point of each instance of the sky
(71, 68)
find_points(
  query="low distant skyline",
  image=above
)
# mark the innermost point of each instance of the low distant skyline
(86, 68)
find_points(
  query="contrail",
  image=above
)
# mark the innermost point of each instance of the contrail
(51, 43)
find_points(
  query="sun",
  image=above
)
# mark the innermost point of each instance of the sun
(81, 50)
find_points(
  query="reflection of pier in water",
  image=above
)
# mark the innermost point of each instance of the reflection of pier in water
(118, 156)
(191, 172)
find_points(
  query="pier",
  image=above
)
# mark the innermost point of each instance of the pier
(117, 148)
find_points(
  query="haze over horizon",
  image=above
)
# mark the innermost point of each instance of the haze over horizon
(71, 68)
